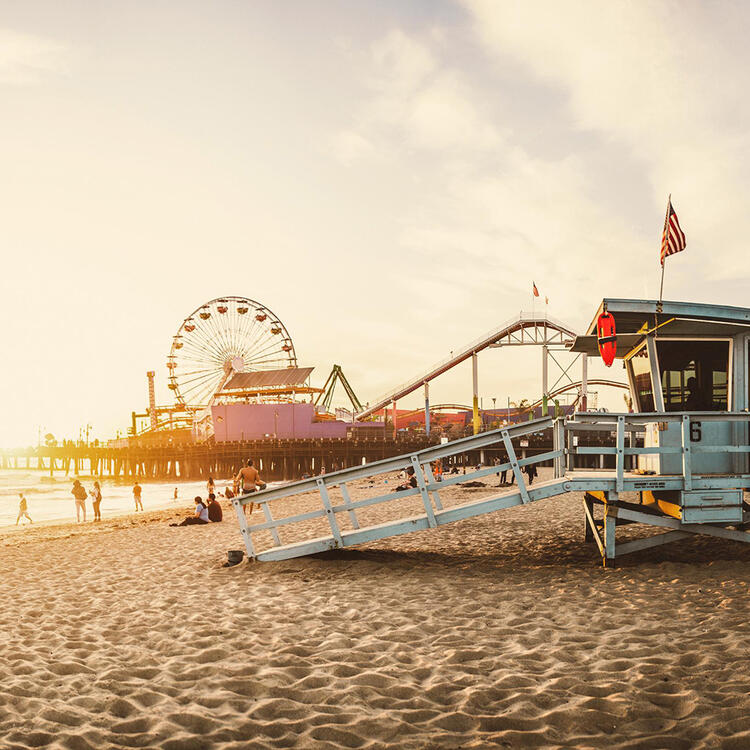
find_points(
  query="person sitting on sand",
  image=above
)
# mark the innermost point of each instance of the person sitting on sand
(214, 509)
(411, 480)
(23, 509)
(80, 494)
(137, 495)
(199, 517)
(228, 492)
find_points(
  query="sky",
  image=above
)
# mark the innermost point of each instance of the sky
(389, 177)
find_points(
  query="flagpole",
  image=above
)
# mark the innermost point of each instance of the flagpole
(663, 239)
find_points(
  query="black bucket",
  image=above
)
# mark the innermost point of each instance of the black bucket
(235, 556)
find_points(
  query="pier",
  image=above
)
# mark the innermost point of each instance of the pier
(278, 460)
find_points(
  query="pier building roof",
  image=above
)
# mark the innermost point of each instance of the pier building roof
(287, 376)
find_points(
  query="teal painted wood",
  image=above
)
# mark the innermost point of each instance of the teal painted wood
(432, 483)
(620, 446)
(592, 530)
(517, 473)
(636, 545)
(272, 526)
(611, 482)
(426, 500)
(356, 504)
(695, 528)
(610, 525)
(333, 523)
(242, 521)
(348, 504)
(686, 470)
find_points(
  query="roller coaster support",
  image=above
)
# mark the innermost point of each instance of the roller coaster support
(476, 421)
(545, 380)
(427, 408)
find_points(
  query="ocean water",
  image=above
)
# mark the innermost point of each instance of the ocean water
(50, 500)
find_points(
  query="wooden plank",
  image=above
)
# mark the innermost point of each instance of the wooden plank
(686, 464)
(244, 530)
(299, 549)
(720, 448)
(332, 522)
(348, 504)
(694, 528)
(610, 526)
(620, 445)
(432, 483)
(356, 504)
(272, 524)
(517, 473)
(591, 526)
(636, 545)
(426, 500)
(287, 521)
(539, 491)
(381, 531)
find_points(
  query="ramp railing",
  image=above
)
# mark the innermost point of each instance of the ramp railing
(340, 516)
(637, 423)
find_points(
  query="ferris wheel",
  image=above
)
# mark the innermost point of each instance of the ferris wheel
(223, 337)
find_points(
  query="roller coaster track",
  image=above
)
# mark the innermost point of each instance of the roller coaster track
(524, 330)
(526, 409)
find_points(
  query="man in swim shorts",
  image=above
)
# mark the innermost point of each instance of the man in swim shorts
(249, 480)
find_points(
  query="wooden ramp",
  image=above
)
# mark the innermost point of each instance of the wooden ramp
(318, 514)
(413, 523)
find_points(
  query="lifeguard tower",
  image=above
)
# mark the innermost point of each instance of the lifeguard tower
(678, 461)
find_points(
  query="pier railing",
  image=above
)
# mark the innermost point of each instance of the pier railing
(340, 516)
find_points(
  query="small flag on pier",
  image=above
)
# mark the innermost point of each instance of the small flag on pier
(536, 291)
(673, 238)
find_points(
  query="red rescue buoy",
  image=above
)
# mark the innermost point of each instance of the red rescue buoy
(605, 334)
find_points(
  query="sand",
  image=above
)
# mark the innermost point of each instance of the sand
(499, 631)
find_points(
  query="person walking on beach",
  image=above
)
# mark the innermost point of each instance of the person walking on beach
(79, 493)
(249, 480)
(23, 509)
(96, 499)
(137, 495)
(210, 486)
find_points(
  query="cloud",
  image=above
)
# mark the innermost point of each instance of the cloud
(349, 147)
(416, 101)
(665, 82)
(26, 59)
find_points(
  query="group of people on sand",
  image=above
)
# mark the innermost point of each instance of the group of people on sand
(206, 511)
(80, 494)
(209, 511)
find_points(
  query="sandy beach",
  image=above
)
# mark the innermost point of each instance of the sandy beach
(497, 631)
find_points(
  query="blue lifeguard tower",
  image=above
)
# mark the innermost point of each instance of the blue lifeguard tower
(678, 461)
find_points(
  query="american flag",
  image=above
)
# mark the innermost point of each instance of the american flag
(673, 238)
